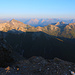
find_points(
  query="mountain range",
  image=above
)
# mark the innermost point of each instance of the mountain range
(44, 22)
(59, 29)
(40, 22)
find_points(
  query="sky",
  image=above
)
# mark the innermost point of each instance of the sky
(37, 9)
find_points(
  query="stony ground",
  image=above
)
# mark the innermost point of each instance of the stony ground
(39, 66)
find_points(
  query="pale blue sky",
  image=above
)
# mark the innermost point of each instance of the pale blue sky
(37, 8)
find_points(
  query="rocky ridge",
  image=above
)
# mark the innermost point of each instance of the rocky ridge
(39, 66)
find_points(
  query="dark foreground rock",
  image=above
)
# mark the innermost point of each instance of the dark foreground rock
(39, 66)
(5, 53)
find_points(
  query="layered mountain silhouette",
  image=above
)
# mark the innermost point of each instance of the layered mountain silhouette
(40, 22)
(44, 22)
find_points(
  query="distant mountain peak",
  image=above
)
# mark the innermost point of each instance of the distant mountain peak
(62, 22)
(58, 23)
(33, 21)
(13, 20)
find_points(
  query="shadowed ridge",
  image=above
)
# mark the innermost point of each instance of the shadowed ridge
(41, 44)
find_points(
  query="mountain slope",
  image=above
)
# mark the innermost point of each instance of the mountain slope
(13, 24)
(58, 29)
(69, 31)
(41, 44)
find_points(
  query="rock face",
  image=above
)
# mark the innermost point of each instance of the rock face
(14, 24)
(51, 30)
(69, 31)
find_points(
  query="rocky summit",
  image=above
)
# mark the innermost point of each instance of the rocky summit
(13, 24)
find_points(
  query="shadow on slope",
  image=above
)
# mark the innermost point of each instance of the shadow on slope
(41, 44)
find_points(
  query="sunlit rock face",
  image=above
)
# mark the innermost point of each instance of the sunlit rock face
(14, 24)
(58, 23)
